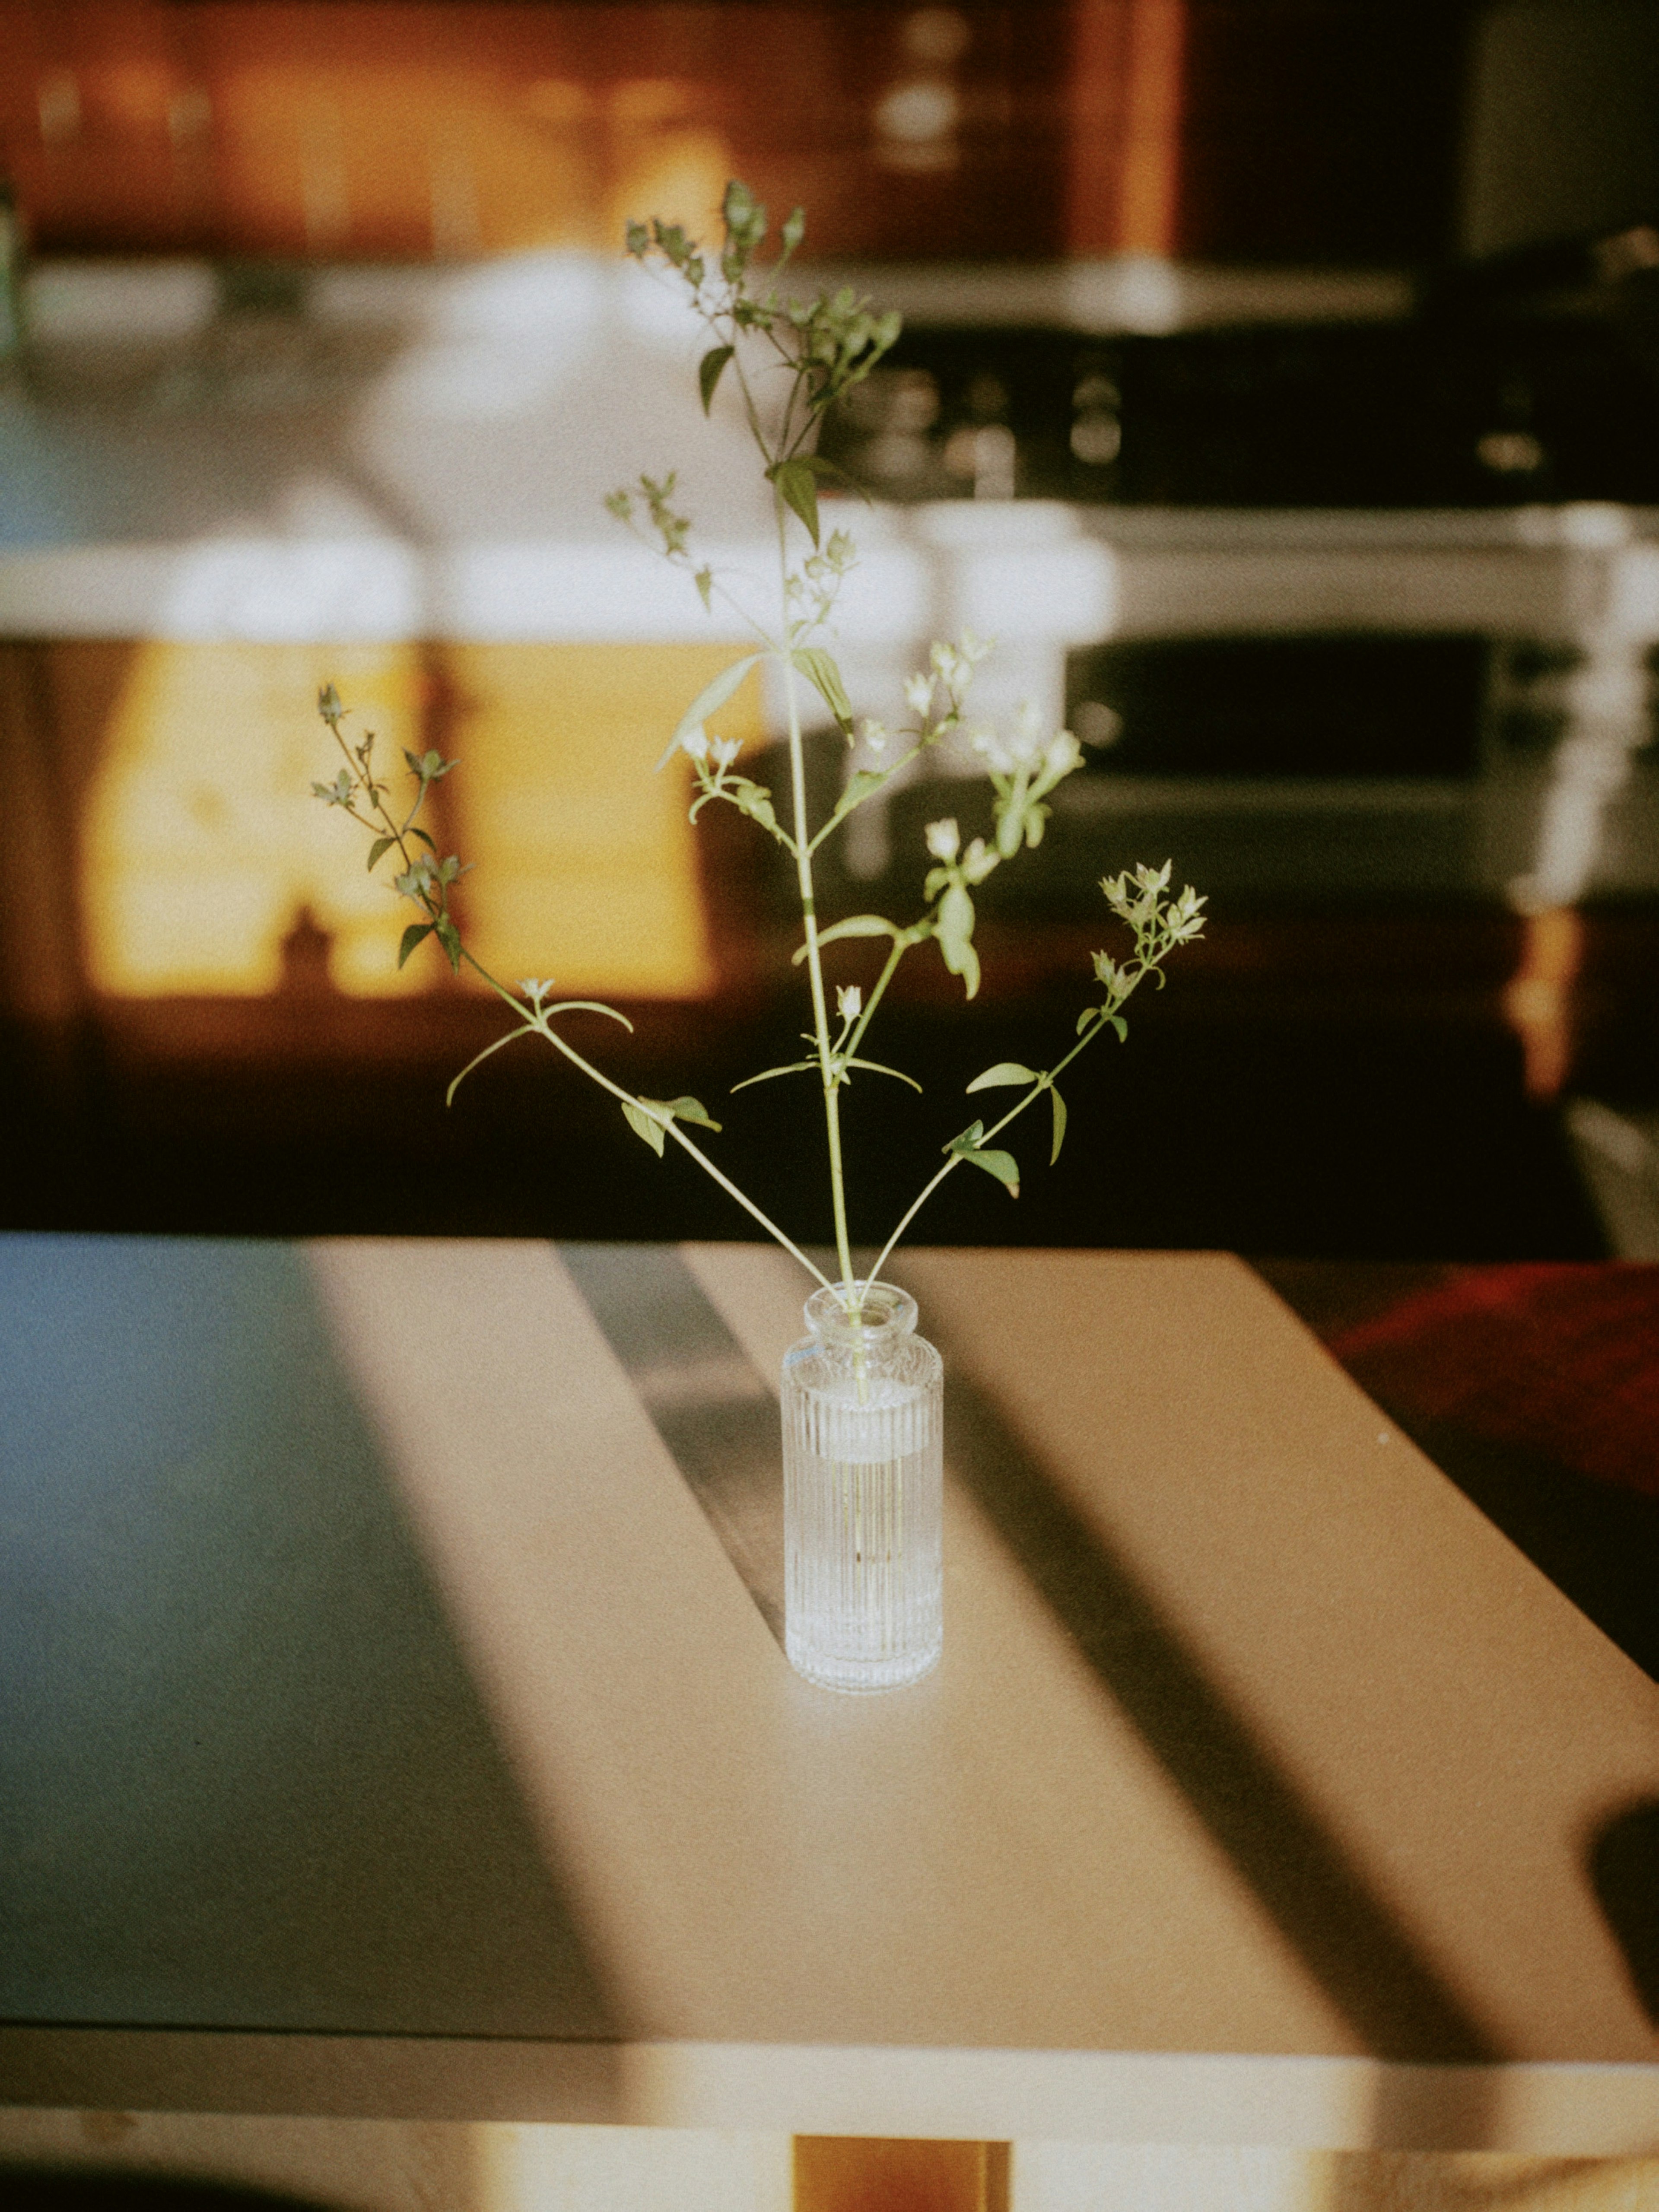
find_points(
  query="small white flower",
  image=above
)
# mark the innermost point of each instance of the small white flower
(849, 1002)
(991, 750)
(943, 659)
(726, 750)
(1026, 744)
(874, 735)
(1063, 755)
(972, 649)
(918, 692)
(696, 742)
(943, 840)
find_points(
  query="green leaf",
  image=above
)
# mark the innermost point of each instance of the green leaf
(856, 925)
(1003, 1165)
(710, 369)
(859, 787)
(712, 695)
(692, 1109)
(588, 1006)
(412, 937)
(1059, 1105)
(753, 800)
(876, 1068)
(651, 1131)
(450, 938)
(704, 580)
(524, 1030)
(797, 486)
(795, 1067)
(1120, 1025)
(424, 839)
(1005, 1071)
(380, 845)
(955, 932)
(821, 672)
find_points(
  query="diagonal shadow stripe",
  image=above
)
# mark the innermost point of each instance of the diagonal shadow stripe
(720, 1422)
(707, 1400)
(1365, 1963)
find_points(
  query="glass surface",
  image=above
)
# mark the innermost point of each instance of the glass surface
(862, 1482)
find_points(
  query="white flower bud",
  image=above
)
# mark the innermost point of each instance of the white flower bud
(849, 1002)
(943, 840)
(874, 735)
(918, 692)
(1026, 744)
(696, 742)
(726, 750)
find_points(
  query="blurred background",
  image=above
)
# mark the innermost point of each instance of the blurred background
(1280, 387)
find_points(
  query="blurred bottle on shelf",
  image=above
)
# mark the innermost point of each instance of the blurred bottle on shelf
(11, 274)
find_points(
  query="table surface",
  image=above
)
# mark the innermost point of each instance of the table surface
(393, 1720)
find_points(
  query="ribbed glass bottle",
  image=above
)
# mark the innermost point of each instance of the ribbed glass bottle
(863, 1571)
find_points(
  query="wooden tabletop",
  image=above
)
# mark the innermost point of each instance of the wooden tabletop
(395, 1721)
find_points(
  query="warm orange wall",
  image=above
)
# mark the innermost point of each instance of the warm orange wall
(344, 127)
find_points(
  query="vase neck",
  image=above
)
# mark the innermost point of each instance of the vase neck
(885, 1316)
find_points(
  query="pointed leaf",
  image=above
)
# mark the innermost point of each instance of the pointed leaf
(711, 696)
(795, 1067)
(821, 672)
(1003, 1165)
(412, 937)
(856, 925)
(588, 1006)
(424, 839)
(380, 845)
(710, 369)
(649, 1131)
(692, 1109)
(1059, 1105)
(797, 486)
(876, 1068)
(450, 938)
(1120, 1025)
(859, 787)
(525, 1028)
(1006, 1072)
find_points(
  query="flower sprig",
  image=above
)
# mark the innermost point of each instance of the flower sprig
(821, 348)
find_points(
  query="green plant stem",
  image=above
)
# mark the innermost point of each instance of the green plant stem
(809, 917)
(542, 1027)
(1045, 1082)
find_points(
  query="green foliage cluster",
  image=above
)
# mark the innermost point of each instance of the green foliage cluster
(819, 347)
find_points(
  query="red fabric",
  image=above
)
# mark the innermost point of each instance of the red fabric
(1559, 1359)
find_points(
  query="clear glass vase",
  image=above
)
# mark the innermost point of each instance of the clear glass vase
(862, 1482)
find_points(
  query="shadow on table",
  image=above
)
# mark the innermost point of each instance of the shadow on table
(1624, 1872)
(1367, 1964)
(29, 2189)
(248, 1781)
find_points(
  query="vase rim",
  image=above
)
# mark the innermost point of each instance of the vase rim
(887, 1312)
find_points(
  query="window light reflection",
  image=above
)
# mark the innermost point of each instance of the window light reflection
(203, 844)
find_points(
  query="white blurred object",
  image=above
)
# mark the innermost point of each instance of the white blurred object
(1072, 2176)
(577, 2169)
